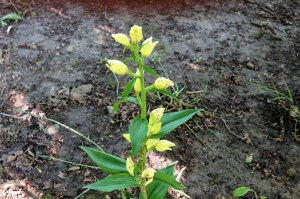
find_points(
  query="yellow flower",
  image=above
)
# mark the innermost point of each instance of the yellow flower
(137, 83)
(163, 145)
(122, 39)
(127, 137)
(148, 174)
(162, 83)
(130, 166)
(136, 34)
(148, 47)
(156, 115)
(151, 143)
(155, 128)
(117, 67)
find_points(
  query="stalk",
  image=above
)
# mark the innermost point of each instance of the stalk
(143, 154)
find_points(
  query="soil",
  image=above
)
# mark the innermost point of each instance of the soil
(49, 64)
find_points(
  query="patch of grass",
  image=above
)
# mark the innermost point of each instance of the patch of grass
(285, 103)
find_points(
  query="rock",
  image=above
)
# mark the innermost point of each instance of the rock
(110, 110)
(79, 93)
(52, 129)
(1, 53)
(69, 49)
(250, 65)
(11, 158)
(2, 60)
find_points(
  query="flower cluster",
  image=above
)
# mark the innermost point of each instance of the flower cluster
(118, 67)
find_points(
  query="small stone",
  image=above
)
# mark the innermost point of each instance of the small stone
(250, 65)
(1, 53)
(110, 110)
(69, 49)
(11, 158)
(2, 60)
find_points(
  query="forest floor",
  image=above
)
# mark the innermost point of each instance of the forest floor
(214, 50)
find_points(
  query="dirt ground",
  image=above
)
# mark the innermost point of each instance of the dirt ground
(49, 64)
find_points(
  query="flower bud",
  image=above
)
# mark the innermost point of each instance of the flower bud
(148, 47)
(153, 129)
(127, 137)
(151, 143)
(136, 34)
(163, 145)
(137, 83)
(117, 67)
(156, 115)
(130, 166)
(148, 174)
(162, 83)
(122, 39)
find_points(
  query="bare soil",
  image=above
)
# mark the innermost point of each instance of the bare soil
(49, 64)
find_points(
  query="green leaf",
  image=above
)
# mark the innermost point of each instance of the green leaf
(167, 93)
(157, 190)
(107, 162)
(167, 180)
(150, 71)
(138, 132)
(126, 99)
(171, 121)
(241, 191)
(114, 182)
(263, 197)
(11, 16)
(128, 88)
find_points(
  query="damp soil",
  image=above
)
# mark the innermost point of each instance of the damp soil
(49, 65)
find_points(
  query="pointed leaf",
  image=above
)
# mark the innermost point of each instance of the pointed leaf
(114, 182)
(128, 88)
(167, 93)
(241, 191)
(150, 71)
(107, 162)
(138, 133)
(126, 99)
(167, 180)
(170, 121)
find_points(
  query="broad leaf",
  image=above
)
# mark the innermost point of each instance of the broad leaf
(128, 88)
(11, 16)
(114, 182)
(150, 71)
(138, 133)
(107, 162)
(167, 180)
(126, 99)
(241, 191)
(157, 190)
(171, 121)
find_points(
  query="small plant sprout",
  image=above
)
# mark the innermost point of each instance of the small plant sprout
(146, 131)
(9, 17)
(286, 106)
(242, 191)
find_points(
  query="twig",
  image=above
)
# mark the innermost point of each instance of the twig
(13, 116)
(231, 132)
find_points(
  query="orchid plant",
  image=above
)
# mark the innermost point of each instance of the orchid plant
(145, 132)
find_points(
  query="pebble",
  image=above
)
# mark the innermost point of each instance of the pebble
(69, 49)
(110, 110)
(1, 60)
(1, 53)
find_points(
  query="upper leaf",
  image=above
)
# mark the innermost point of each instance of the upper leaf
(107, 162)
(138, 133)
(171, 121)
(128, 88)
(150, 71)
(126, 99)
(114, 182)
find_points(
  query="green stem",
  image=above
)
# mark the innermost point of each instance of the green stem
(143, 153)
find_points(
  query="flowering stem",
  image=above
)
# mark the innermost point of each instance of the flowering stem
(143, 153)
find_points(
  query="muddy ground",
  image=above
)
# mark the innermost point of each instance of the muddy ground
(49, 64)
